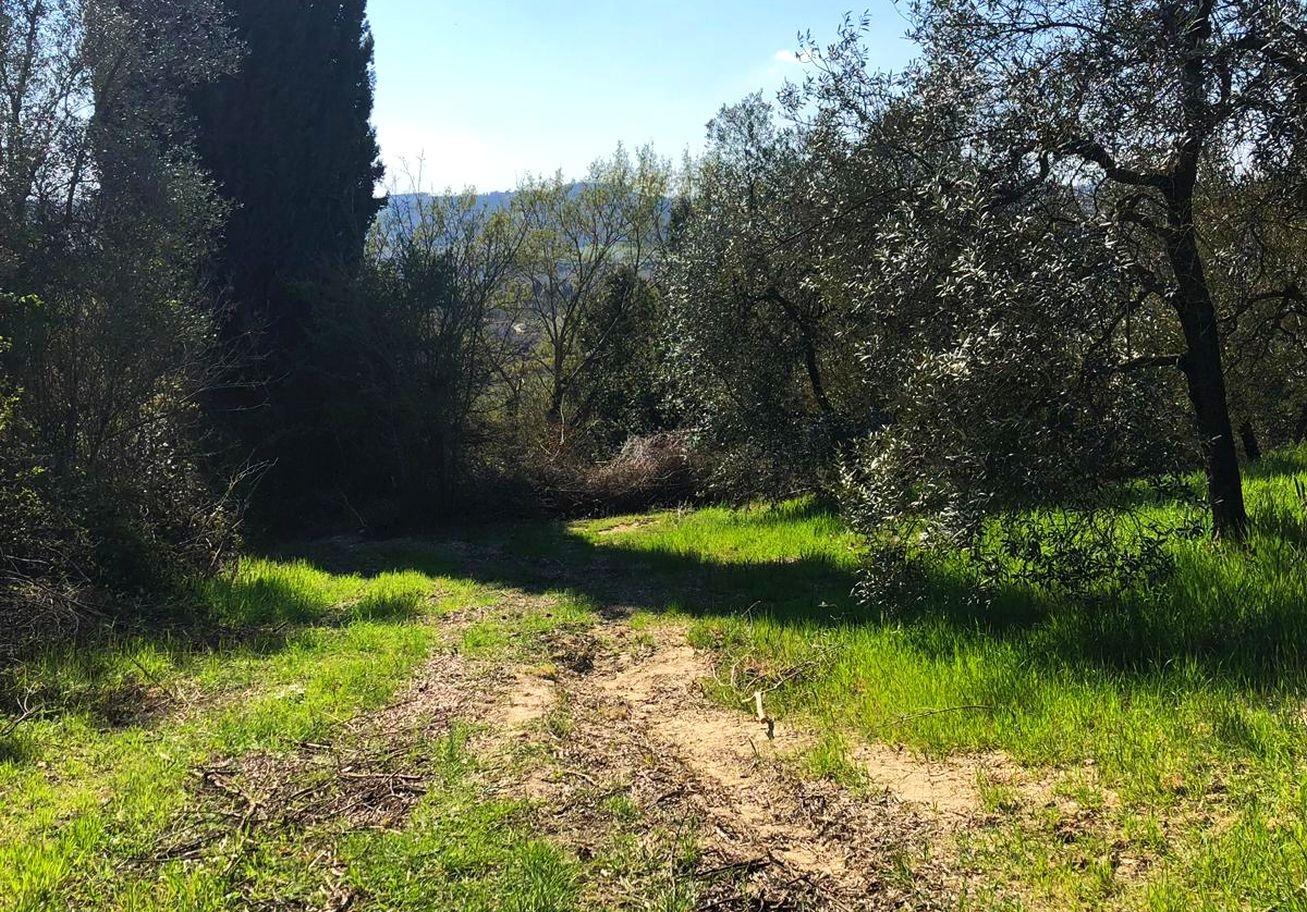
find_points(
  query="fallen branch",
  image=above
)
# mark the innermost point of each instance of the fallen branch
(747, 865)
(26, 714)
(14, 723)
(582, 776)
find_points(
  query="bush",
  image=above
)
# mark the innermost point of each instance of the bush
(657, 470)
(103, 484)
(109, 343)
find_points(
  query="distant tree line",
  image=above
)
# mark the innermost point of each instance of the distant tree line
(1056, 260)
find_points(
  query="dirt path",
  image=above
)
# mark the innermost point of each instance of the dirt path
(626, 714)
(619, 713)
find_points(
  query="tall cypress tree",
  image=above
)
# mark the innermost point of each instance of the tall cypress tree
(289, 140)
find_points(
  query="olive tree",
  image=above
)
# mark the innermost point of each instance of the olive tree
(1136, 108)
(1258, 274)
(761, 347)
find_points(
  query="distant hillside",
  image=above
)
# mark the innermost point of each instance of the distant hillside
(402, 203)
(401, 206)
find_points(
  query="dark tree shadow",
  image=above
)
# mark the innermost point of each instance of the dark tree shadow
(1262, 646)
(92, 672)
(1249, 637)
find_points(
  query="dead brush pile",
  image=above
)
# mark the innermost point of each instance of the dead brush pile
(651, 471)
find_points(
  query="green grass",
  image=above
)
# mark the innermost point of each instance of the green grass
(89, 787)
(520, 634)
(462, 851)
(1170, 726)
(278, 653)
(1188, 700)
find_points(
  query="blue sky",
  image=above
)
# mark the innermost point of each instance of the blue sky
(489, 90)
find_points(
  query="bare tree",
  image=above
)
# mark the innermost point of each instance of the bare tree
(428, 340)
(580, 236)
(47, 102)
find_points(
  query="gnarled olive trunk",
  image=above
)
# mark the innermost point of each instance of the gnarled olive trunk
(1206, 377)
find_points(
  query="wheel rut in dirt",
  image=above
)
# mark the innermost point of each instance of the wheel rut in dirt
(637, 723)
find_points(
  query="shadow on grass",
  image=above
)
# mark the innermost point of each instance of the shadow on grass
(1287, 462)
(541, 558)
(1231, 616)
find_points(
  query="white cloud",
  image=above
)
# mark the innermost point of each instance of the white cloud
(788, 56)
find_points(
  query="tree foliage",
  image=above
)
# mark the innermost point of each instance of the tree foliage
(1138, 109)
(761, 347)
(407, 361)
(108, 343)
(591, 248)
(287, 136)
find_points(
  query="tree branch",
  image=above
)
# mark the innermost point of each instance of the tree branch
(1095, 153)
(1148, 361)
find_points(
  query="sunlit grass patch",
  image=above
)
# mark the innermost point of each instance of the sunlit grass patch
(95, 781)
(521, 632)
(263, 592)
(1186, 697)
(781, 533)
(830, 757)
(464, 851)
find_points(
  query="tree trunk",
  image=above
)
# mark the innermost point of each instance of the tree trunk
(1252, 450)
(555, 413)
(810, 360)
(814, 377)
(1300, 432)
(1206, 379)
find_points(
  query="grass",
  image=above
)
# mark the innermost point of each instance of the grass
(520, 635)
(1186, 701)
(92, 787)
(1168, 729)
(89, 787)
(461, 851)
